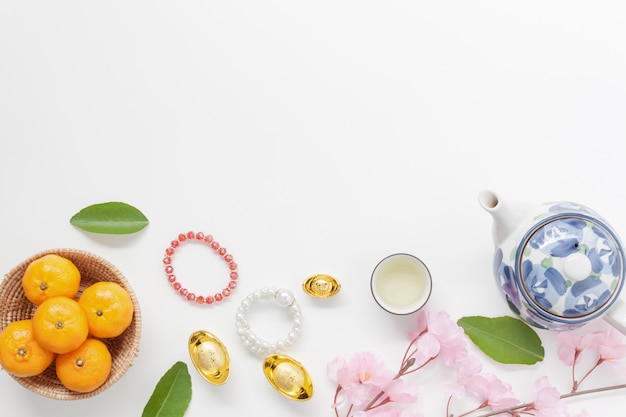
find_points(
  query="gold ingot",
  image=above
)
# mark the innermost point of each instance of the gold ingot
(209, 356)
(321, 286)
(288, 377)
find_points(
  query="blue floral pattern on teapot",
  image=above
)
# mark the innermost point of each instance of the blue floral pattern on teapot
(563, 268)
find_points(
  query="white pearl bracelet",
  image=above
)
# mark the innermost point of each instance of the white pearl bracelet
(283, 298)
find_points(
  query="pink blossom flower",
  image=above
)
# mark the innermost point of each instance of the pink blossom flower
(467, 370)
(573, 344)
(398, 391)
(422, 325)
(427, 347)
(438, 335)
(611, 348)
(361, 378)
(492, 391)
(548, 400)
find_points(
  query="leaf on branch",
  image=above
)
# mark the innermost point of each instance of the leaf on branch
(110, 218)
(172, 394)
(504, 339)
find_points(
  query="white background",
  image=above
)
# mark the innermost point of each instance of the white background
(307, 137)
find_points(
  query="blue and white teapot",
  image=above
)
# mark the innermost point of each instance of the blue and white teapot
(559, 265)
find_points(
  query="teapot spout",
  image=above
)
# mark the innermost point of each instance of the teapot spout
(506, 217)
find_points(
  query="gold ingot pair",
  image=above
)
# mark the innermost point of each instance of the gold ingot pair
(210, 358)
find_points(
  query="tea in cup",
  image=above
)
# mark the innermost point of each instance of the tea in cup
(401, 284)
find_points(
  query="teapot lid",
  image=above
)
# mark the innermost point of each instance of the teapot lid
(570, 267)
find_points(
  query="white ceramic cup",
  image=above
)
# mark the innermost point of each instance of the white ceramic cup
(401, 284)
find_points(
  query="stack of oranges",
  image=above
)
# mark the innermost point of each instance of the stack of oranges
(67, 327)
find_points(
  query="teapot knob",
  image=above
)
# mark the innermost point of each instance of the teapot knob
(577, 267)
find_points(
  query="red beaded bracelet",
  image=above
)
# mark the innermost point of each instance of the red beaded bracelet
(208, 239)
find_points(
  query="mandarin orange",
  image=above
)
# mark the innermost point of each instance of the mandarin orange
(60, 325)
(109, 308)
(20, 354)
(85, 368)
(49, 276)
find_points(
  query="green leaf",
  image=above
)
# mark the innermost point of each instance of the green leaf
(110, 218)
(172, 394)
(504, 339)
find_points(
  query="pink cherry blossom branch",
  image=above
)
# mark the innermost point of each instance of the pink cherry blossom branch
(408, 353)
(563, 396)
(407, 363)
(403, 371)
(481, 406)
(337, 391)
(409, 357)
(576, 384)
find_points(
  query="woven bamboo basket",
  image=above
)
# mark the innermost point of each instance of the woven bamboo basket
(15, 306)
